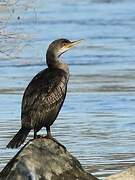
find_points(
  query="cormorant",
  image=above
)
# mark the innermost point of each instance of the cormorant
(45, 94)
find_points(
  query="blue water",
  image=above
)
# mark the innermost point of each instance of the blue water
(97, 121)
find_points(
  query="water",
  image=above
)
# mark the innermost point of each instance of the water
(97, 122)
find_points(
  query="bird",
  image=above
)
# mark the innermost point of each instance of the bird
(45, 94)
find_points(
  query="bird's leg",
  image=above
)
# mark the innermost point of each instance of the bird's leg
(36, 136)
(49, 136)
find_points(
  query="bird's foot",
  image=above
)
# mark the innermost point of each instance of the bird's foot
(38, 136)
(55, 140)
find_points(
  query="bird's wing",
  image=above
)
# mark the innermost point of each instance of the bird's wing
(46, 90)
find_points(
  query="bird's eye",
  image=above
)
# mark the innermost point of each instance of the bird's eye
(64, 44)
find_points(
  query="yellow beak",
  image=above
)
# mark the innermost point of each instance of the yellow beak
(68, 46)
(73, 43)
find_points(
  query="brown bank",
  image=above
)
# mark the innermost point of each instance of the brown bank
(128, 174)
(43, 159)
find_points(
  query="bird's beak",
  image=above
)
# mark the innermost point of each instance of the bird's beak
(73, 43)
(68, 46)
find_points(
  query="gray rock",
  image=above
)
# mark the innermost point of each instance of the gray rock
(44, 159)
(128, 174)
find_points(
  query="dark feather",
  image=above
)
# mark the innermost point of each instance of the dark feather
(43, 98)
(19, 138)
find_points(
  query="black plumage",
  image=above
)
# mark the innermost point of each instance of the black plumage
(43, 98)
(45, 94)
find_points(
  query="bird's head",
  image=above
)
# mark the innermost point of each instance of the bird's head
(60, 46)
(57, 48)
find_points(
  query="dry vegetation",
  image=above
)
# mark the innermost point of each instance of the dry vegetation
(12, 41)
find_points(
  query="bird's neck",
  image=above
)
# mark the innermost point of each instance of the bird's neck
(53, 61)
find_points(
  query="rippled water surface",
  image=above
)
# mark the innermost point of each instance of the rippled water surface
(97, 121)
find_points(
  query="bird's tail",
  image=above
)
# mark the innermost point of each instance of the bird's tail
(19, 138)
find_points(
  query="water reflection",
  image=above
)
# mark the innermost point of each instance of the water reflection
(97, 120)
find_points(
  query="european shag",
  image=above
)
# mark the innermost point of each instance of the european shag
(45, 94)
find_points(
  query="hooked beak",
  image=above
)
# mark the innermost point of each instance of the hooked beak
(68, 46)
(73, 43)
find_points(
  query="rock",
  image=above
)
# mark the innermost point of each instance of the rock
(128, 174)
(44, 159)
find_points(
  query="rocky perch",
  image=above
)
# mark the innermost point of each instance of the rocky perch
(44, 159)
